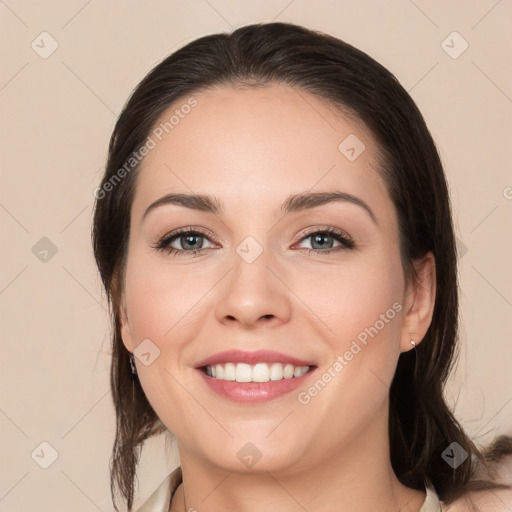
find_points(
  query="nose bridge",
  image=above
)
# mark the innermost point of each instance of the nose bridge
(251, 290)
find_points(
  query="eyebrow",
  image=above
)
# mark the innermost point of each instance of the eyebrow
(294, 203)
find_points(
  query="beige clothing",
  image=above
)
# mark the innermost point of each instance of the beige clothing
(160, 500)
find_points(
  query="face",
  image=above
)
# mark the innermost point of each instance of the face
(265, 287)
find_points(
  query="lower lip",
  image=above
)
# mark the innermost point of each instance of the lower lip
(253, 392)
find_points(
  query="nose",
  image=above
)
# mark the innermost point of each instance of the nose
(252, 295)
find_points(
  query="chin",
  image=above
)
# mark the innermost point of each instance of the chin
(243, 455)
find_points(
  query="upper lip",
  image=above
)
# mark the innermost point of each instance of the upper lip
(259, 356)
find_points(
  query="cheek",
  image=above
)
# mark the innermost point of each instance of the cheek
(351, 300)
(362, 307)
(163, 307)
(161, 299)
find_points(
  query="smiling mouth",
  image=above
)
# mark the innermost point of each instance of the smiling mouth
(259, 372)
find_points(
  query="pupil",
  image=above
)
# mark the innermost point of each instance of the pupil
(318, 239)
(188, 239)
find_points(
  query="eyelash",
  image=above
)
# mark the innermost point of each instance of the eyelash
(342, 237)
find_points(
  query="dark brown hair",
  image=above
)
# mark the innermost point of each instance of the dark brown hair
(421, 426)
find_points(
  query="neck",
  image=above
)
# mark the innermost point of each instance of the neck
(354, 476)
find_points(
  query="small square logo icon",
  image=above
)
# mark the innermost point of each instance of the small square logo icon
(146, 352)
(351, 147)
(249, 250)
(454, 455)
(44, 250)
(461, 248)
(44, 45)
(454, 45)
(44, 455)
(249, 454)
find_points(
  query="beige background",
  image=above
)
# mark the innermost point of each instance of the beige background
(57, 116)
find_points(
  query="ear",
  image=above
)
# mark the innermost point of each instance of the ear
(419, 302)
(124, 324)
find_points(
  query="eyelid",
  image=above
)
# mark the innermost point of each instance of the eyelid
(187, 229)
(325, 229)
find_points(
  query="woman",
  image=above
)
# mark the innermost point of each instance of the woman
(273, 231)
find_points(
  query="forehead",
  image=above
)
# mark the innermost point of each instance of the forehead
(257, 144)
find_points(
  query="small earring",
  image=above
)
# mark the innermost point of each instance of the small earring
(413, 343)
(132, 364)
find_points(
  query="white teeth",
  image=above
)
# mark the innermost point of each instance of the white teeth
(260, 372)
(299, 371)
(288, 371)
(229, 371)
(276, 371)
(243, 372)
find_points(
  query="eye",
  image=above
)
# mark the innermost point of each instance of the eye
(190, 239)
(324, 239)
